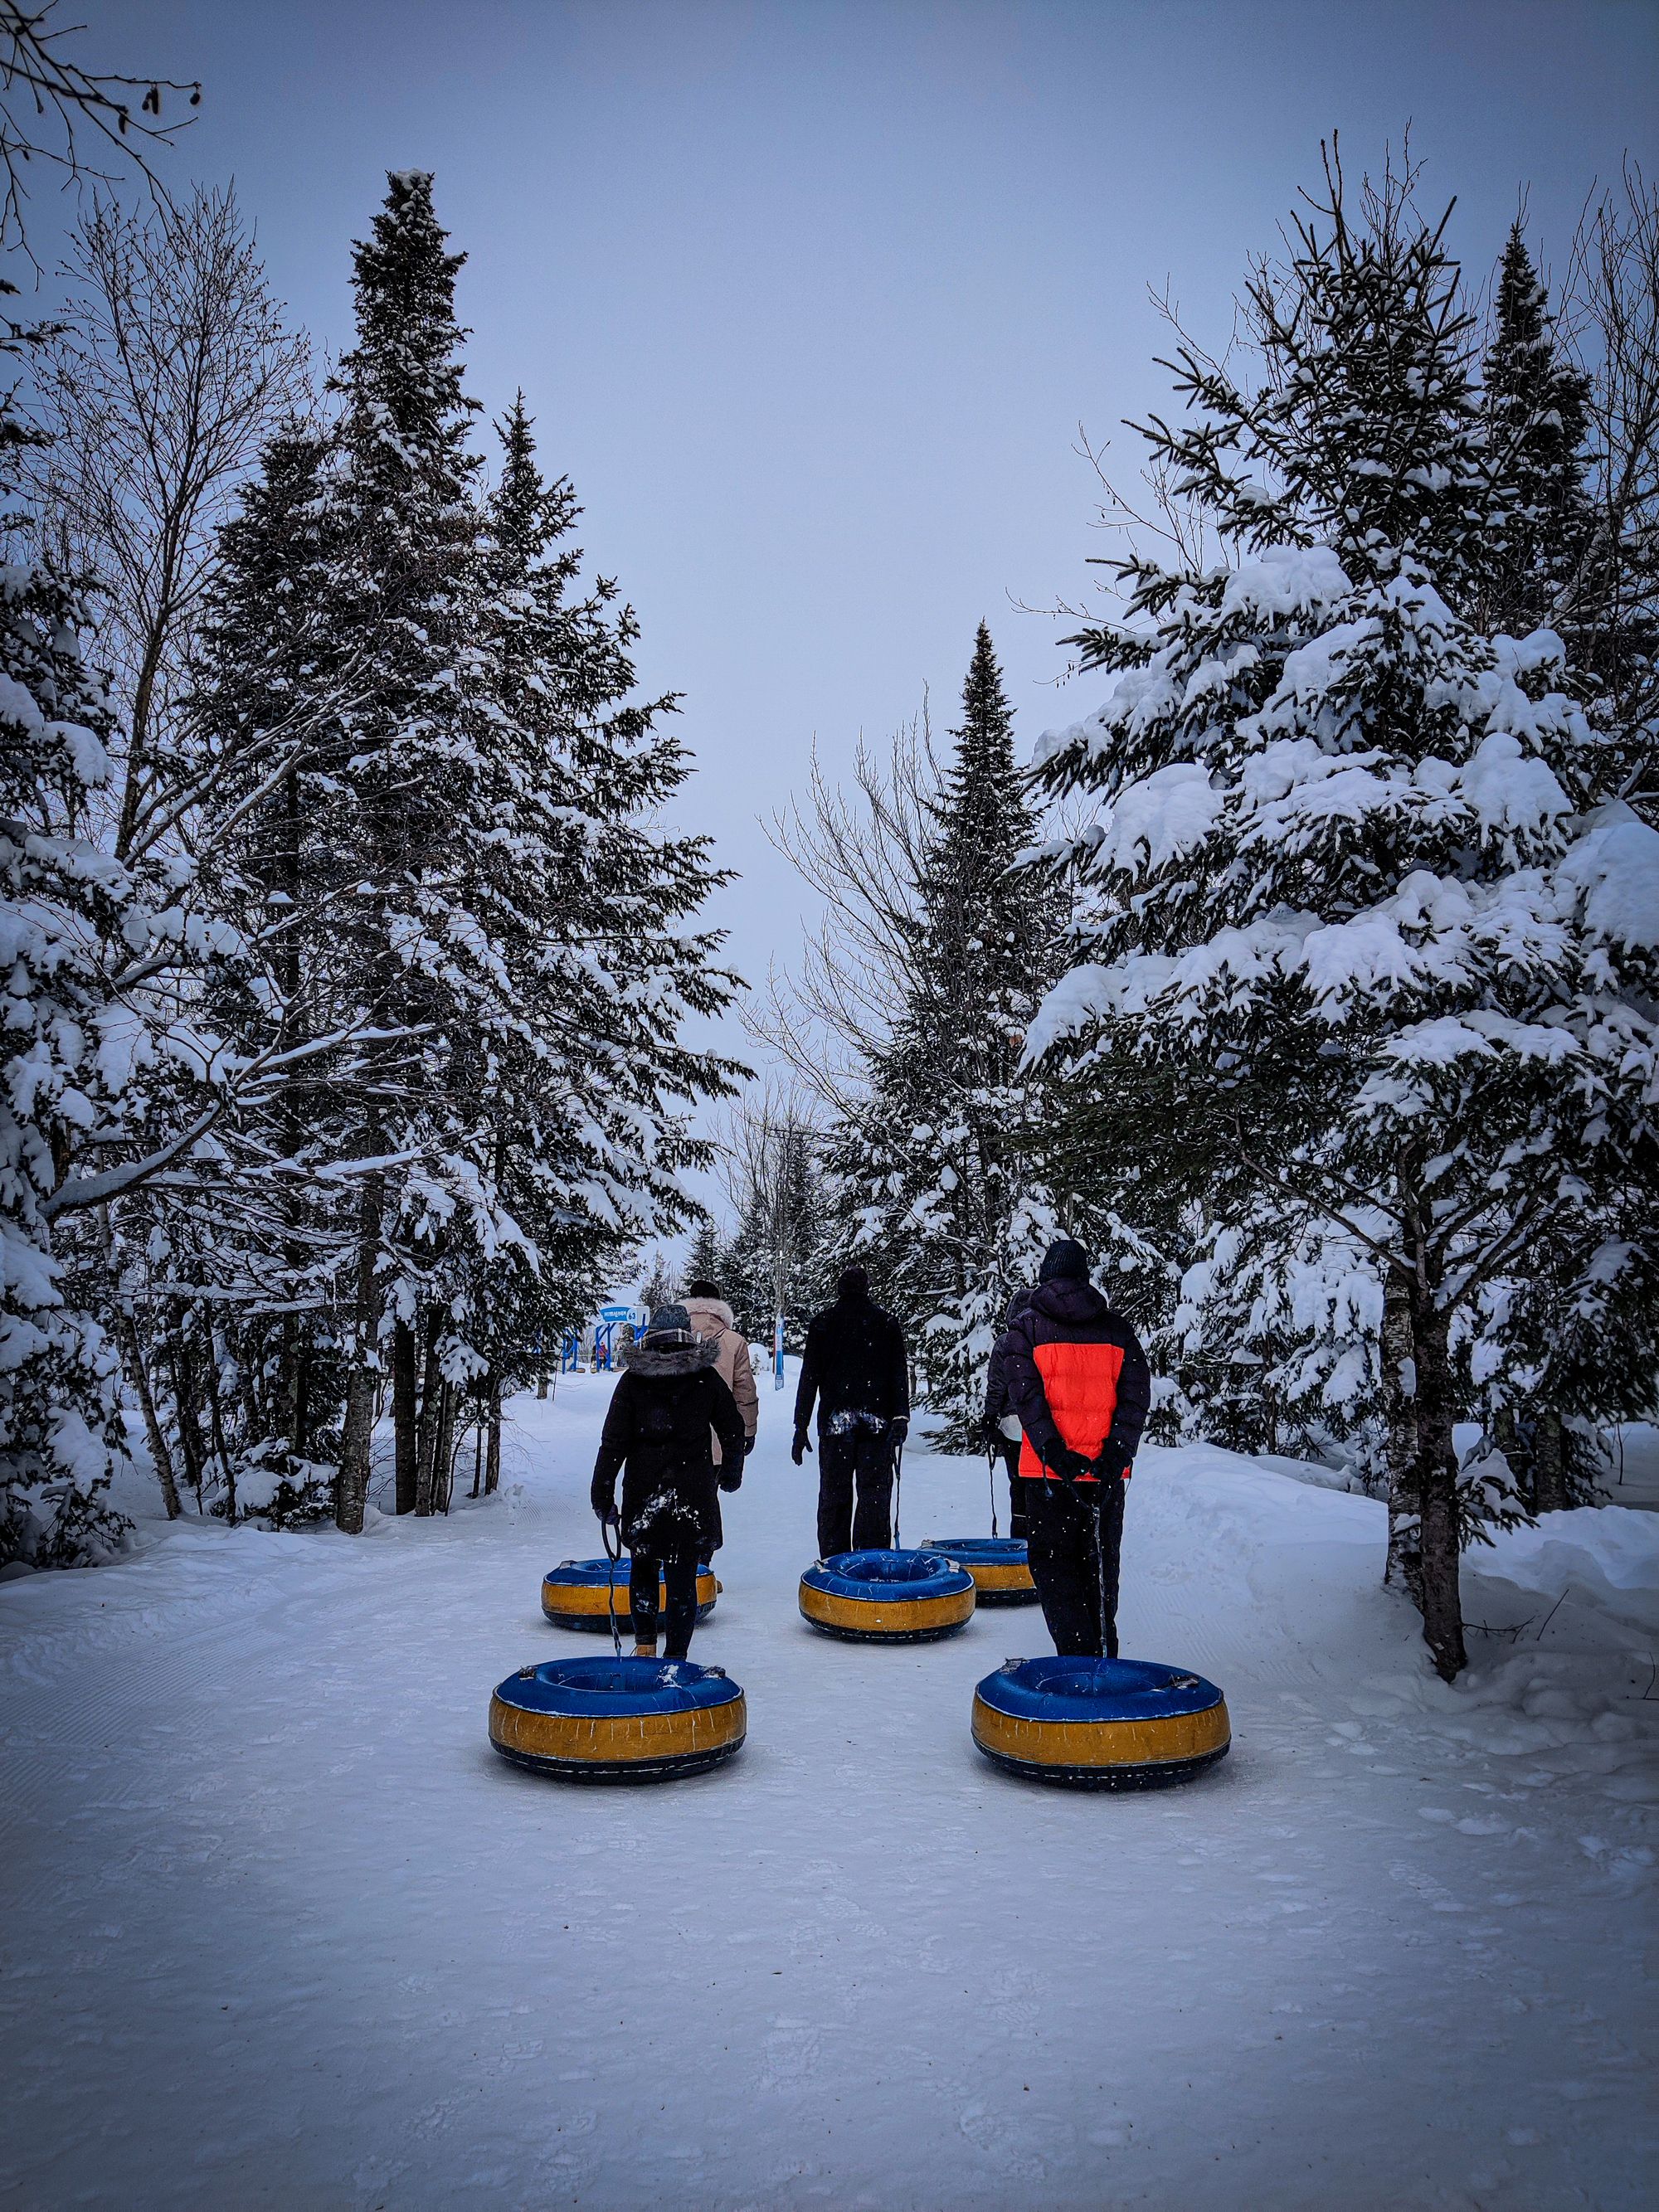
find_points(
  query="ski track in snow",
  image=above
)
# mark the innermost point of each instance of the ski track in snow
(281, 1929)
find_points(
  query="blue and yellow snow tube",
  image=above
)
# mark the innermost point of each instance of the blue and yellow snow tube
(1001, 1572)
(580, 1594)
(887, 1597)
(600, 1719)
(1100, 1723)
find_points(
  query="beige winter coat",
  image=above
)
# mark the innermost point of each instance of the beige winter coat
(713, 1318)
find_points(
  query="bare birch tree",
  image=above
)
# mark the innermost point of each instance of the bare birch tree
(77, 123)
(1613, 319)
(171, 367)
(858, 845)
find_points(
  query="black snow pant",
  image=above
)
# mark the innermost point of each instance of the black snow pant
(680, 1574)
(1072, 1540)
(860, 1458)
(1017, 1486)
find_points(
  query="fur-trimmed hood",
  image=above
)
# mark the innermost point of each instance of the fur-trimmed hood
(669, 1351)
(709, 1315)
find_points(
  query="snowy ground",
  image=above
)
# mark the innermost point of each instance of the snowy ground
(279, 1929)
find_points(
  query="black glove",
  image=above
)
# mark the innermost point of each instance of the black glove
(799, 1450)
(604, 1497)
(748, 1446)
(732, 1481)
(1114, 1459)
(1067, 1464)
(899, 1428)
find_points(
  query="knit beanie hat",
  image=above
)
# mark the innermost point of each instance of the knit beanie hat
(1064, 1260)
(669, 1321)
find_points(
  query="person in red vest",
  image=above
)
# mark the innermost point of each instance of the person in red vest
(1079, 1380)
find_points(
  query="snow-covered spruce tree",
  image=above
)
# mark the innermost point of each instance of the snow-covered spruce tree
(61, 903)
(776, 1265)
(244, 1278)
(935, 1168)
(1274, 1345)
(1536, 407)
(1346, 879)
(706, 1260)
(1568, 1346)
(400, 620)
(588, 903)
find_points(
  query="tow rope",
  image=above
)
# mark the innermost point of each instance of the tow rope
(614, 1559)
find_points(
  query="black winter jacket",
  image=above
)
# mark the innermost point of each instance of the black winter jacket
(998, 1403)
(1078, 1378)
(854, 1363)
(657, 1429)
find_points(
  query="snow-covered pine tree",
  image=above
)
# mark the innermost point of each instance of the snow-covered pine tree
(1273, 1347)
(1536, 409)
(936, 1169)
(705, 1256)
(63, 1062)
(1569, 1345)
(398, 619)
(587, 900)
(775, 1267)
(1346, 878)
(268, 1267)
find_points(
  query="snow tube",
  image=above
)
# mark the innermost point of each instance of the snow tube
(997, 1563)
(887, 1597)
(1100, 1723)
(577, 1593)
(600, 1719)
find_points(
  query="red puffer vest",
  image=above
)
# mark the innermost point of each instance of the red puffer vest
(1076, 1374)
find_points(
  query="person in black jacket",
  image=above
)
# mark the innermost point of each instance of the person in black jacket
(1079, 1383)
(1003, 1433)
(856, 1367)
(667, 1403)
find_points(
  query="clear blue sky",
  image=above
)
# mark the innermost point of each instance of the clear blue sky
(810, 300)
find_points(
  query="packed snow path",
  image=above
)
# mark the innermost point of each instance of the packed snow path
(280, 1930)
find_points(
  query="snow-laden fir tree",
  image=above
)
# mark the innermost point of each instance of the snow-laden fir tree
(1536, 407)
(1565, 1345)
(705, 1258)
(485, 909)
(589, 904)
(1348, 878)
(937, 1167)
(1273, 1346)
(776, 1267)
(65, 1060)
(267, 1252)
(398, 617)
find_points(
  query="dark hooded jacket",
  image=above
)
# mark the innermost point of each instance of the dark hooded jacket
(667, 1400)
(1079, 1380)
(853, 1364)
(999, 1406)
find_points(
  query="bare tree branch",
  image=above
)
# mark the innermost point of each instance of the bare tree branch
(50, 105)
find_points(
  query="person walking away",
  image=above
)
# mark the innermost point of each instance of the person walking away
(669, 1405)
(1003, 1434)
(856, 1367)
(1079, 1383)
(713, 1321)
